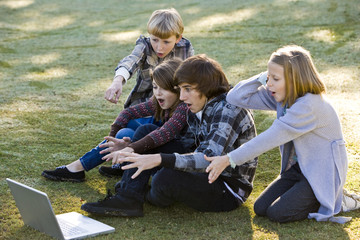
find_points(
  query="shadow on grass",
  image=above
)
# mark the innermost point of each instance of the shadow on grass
(306, 229)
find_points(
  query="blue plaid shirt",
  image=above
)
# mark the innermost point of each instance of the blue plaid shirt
(223, 127)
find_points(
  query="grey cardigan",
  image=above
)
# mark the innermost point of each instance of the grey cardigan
(314, 127)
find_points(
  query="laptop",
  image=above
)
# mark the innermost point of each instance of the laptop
(36, 212)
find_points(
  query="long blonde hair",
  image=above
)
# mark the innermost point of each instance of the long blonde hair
(300, 74)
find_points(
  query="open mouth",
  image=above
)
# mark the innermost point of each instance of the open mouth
(271, 92)
(161, 101)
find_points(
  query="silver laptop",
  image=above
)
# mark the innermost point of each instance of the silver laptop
(36, 211)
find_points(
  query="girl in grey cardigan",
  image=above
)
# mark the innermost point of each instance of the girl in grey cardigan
(308, 131)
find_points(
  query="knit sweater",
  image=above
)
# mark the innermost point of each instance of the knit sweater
(171, 129)
(314, 127)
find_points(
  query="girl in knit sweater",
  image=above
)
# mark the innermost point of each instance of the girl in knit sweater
(308, 131)
(165, 107)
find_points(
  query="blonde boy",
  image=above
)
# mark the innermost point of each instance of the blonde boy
(165, 27)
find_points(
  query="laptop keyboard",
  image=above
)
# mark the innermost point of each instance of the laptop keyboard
(69, 229)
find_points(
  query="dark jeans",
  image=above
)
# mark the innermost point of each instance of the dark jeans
(288, 198)
(136, 188)
(193, 189)
(169, 186)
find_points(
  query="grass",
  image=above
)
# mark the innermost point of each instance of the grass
(57, 59)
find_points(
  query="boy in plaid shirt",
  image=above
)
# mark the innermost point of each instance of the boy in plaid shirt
(165, 27)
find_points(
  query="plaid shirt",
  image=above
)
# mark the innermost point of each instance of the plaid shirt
(142, 60)
(223, 128)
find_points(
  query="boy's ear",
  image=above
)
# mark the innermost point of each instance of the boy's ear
(178, 40)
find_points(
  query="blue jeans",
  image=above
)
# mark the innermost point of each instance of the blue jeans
(288, 198)
(92, 158)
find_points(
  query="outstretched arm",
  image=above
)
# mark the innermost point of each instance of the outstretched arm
(124, 70)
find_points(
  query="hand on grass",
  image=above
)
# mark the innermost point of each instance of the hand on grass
(216, 167)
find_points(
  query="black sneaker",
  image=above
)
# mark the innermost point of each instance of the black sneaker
(115, 206)
(63, 174)
(110, 171)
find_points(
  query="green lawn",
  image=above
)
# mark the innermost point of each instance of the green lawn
(57, 58)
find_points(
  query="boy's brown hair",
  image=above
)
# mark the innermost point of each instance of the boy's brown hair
(164, 23)
(205, 74)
